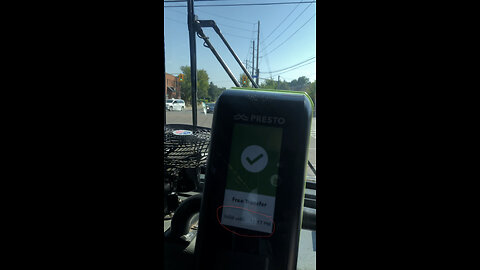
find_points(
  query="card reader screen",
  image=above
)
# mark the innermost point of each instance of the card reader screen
(249, 201)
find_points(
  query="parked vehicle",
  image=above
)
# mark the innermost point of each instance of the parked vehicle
(175, 104)
(242, 128)
(210, 107)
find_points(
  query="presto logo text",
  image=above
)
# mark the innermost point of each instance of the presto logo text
(261, 119)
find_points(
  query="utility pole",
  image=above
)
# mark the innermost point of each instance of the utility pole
(258, 43)
(278, 81)
(253, 58)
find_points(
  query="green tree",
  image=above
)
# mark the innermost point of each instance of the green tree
(273, 84)
(202, 84)
(312, 91)
(214, 91)
(300, 85)
(268, 84)
(283, 85)
(186, 84)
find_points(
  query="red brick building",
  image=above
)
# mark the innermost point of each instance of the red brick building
(172, 87)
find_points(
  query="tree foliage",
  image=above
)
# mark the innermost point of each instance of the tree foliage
(268, 84)
(300, 85)
(210, 91)
(202, 83)
(214, 91)
(272, 84)
(312, 91)
(283, 85)
(186, 84)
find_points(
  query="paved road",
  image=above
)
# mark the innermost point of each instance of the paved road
(185, 117)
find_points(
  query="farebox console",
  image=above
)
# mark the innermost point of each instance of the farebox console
(252, 204)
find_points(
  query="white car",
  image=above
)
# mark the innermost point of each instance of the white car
(175, 104)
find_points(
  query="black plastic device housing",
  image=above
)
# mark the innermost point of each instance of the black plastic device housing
(218, 248)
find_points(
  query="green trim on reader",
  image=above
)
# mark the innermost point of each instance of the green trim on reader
(277, 91)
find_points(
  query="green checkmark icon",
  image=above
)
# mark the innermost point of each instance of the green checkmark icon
(254, 160)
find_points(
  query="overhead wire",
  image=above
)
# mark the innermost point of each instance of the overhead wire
(253, 24)
(293, 65)
(195, 1)
(252, 48)
(296, 67)
(224, 33)
(287, 27)
(249, 4)
(281, 22)
(220, 24)
(249, 52)
(233, 35)
(253, 31)
(174, 20)
(230, 19)
(290, 35)
(268, 65)
(287, 79)
(243, 29)
(281, 77)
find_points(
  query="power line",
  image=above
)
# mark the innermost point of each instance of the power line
(268, 66)
(182, 13)
(252, 4)
(271, 79)
(195, 1)
(295, 68)
(221, 24)
(278, 74)
(282, 21)
(180, 1)
(287, 79)
(284, 79)
(293, 65)
(175, 20)
(248, 51)
(287, 27)
(253, 31)
(243, 29)
(291, 35)
(228, 34)
(231, 19)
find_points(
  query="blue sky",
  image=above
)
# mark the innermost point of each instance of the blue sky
(239, 26)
